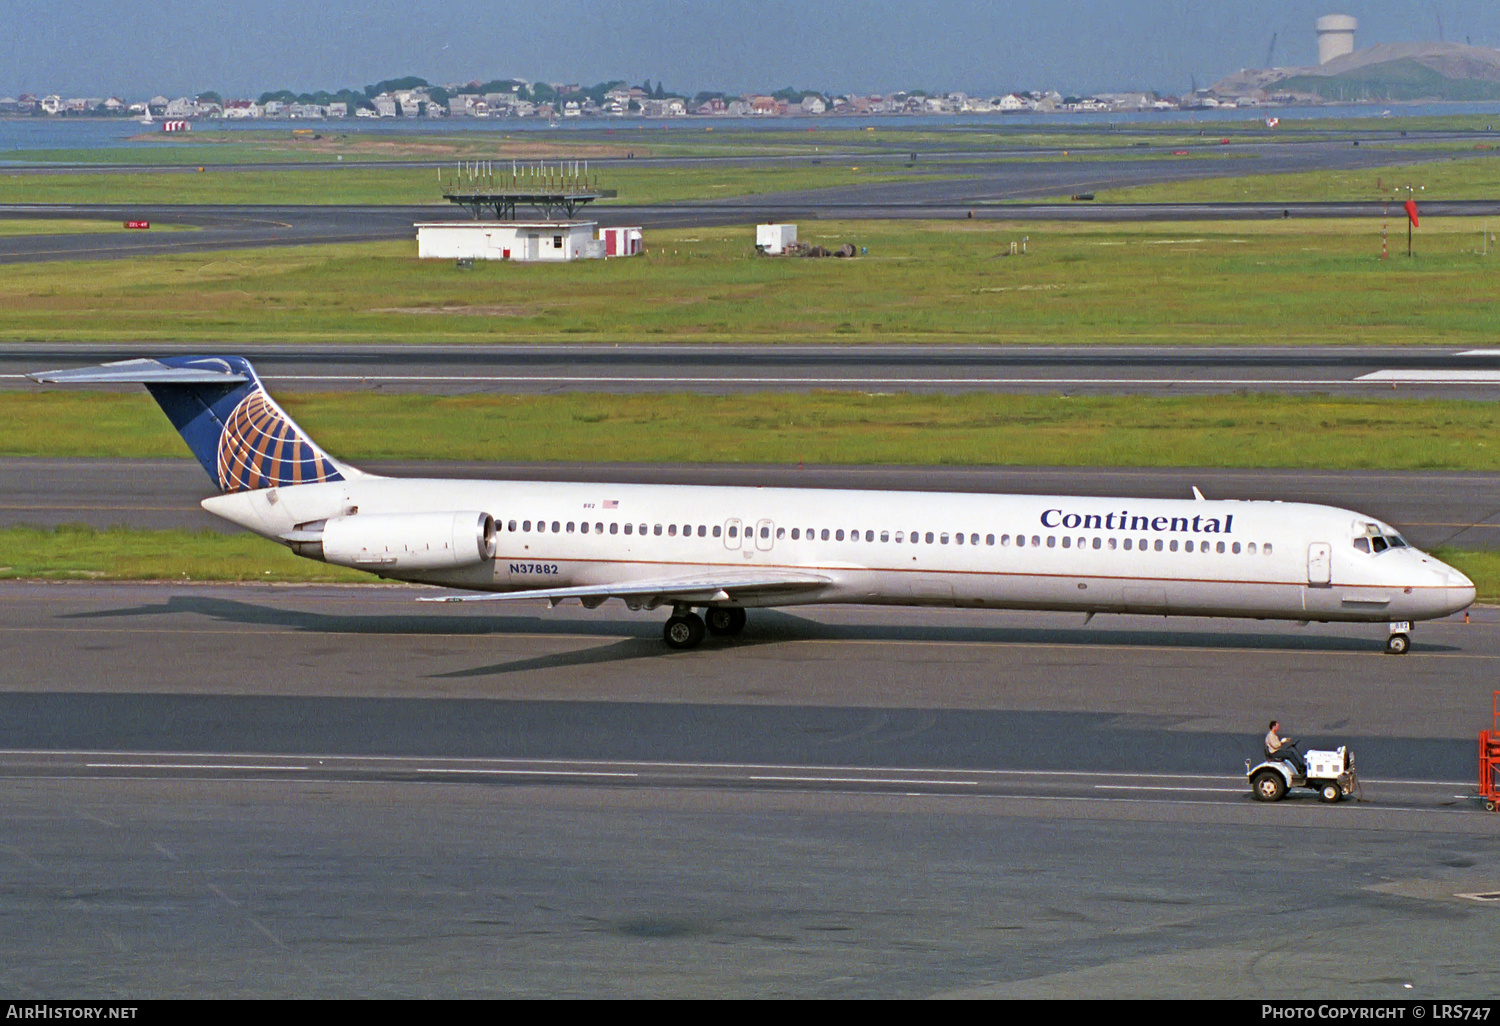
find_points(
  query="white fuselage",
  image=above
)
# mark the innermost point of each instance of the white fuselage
(1182, 557)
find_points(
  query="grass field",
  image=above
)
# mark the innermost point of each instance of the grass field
(1459, 177)
(57, 226)
(827, 427)
(928, 282)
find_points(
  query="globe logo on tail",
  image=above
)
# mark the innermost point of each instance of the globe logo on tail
(261, 448)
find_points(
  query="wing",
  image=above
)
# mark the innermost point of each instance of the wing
(721, 586)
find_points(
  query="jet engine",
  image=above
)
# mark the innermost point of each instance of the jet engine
(398, 541)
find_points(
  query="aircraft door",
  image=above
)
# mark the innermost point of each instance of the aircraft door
(1320, 564)
(731, 534)
(765, 535)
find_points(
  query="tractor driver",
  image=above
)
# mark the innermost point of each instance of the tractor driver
(1278, 747)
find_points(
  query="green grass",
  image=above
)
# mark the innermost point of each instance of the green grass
(365, 185)
(1453, 179)
(54, 226)
(74, 552)
(1297, 281)
(838, 428)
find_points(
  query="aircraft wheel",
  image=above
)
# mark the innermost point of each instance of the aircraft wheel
(724, 621)
(1268, 786)
(684, 631)
(1331, 792)
(1398, 644)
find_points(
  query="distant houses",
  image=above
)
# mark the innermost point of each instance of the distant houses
(517, 98)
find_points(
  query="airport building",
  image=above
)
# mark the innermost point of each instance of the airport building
(523, 240)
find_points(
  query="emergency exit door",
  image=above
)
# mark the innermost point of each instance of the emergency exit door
(1319, 564)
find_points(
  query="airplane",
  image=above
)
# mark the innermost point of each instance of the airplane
(725, 550)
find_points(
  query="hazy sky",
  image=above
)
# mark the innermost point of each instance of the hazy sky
(136, 48)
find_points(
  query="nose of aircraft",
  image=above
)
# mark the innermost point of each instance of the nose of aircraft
(1456, 589)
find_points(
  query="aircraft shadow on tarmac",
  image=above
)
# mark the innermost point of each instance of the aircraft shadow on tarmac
(767, 627)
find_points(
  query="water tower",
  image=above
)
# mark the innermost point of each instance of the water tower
(1335, 36)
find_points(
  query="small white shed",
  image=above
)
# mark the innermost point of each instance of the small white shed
(775, 238)
(508, 240)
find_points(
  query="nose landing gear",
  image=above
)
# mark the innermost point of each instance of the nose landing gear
(1399, 642)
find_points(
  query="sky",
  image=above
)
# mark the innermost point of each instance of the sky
(138, 48)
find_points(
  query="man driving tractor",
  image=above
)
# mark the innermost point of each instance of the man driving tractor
(1278, 747)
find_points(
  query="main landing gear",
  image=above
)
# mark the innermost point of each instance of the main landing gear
(685, 628)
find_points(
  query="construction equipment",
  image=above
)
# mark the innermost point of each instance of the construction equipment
(1489, 757)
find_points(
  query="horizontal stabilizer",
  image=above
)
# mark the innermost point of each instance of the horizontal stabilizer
(143, 372)
(713, 587)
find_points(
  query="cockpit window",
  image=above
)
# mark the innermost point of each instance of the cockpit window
(1397, 542)
(1362, 544)
(1377, 544)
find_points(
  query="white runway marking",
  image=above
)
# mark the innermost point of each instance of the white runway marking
(1448, 377)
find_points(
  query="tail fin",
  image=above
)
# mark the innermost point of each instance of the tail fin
(243, 439)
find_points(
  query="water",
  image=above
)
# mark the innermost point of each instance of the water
(50, 133)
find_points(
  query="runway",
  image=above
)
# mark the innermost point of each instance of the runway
(1357, 371)
(990, 183)
(331, 791)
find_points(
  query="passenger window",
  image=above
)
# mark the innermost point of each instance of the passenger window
(1036, 540)
(1158, 545)
(825, 534)
(796, 533)
(1173, 545)
(989, 539)
(1251, 548)
(526, 525)
(570, 526)
(733, 531)
(1004, 541)
(1265, 550)
(1188, 545)
(643, 529)
(780, 532)
(628, 528)
(1020, 541)
(656, 532)
(555, 526)
(869, 536)
(512, 526)
(885, 536)
(702, 531)
(1235, 548)
(598, 528)
(1068, 543)
(901, 536)
(716, 530)
(1127, 544)
(1098, 542)
(944, 538)
(615, 528)
(929, 537)
(958, 538)
(1051, 542)
(765, 532)
(1219, 547)
(671, 530)
(839, 534)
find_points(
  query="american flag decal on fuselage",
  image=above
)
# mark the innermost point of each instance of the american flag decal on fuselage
(261, 448)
